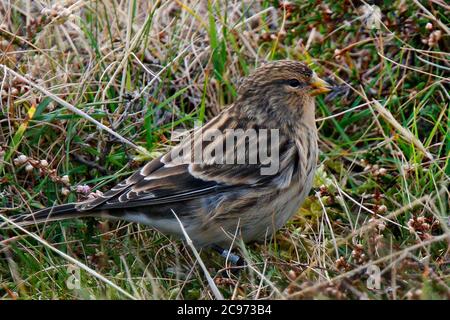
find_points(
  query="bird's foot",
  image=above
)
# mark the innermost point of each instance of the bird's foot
(235, 259)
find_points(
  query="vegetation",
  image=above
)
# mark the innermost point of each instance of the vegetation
(380, 205)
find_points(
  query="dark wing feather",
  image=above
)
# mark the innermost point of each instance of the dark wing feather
(152, 184)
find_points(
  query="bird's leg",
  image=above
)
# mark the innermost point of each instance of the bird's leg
(233, 258)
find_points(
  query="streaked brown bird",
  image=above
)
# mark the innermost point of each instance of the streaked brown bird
(228, 193)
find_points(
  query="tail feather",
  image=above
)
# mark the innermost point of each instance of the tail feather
(56, 213)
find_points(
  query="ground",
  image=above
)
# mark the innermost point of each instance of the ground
(376, 224)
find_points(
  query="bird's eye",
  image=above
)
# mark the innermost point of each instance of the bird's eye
(294, 83)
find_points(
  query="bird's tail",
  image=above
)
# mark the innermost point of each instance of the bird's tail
(56, 213)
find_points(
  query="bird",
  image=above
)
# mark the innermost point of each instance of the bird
(215, 192)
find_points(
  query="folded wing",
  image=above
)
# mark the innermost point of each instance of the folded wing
(203, 164)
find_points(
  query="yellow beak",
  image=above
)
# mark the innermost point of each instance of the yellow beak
(318, 85)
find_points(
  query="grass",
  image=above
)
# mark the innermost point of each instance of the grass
(145, 68)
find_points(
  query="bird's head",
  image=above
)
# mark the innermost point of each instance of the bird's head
(285, 77)
(282, 86)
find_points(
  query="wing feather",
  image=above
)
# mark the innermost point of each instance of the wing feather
(178, 175)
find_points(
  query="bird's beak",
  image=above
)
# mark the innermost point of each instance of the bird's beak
(318, 85)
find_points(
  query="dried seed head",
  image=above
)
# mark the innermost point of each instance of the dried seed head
(338, 54)
(20, 160)
(85, 189)
(382, 209)
(4, 44)
(292, 275)
(341, 263)
(434, 37)
(65, 179)
(381, 226)
(323, 189)
(65, 191)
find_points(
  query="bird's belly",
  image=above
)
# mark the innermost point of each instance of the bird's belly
(267, 221)
(286, 205)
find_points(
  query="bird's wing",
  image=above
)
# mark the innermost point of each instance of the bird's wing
(179, 175)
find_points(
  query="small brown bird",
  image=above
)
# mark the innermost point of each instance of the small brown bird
(218, 180)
